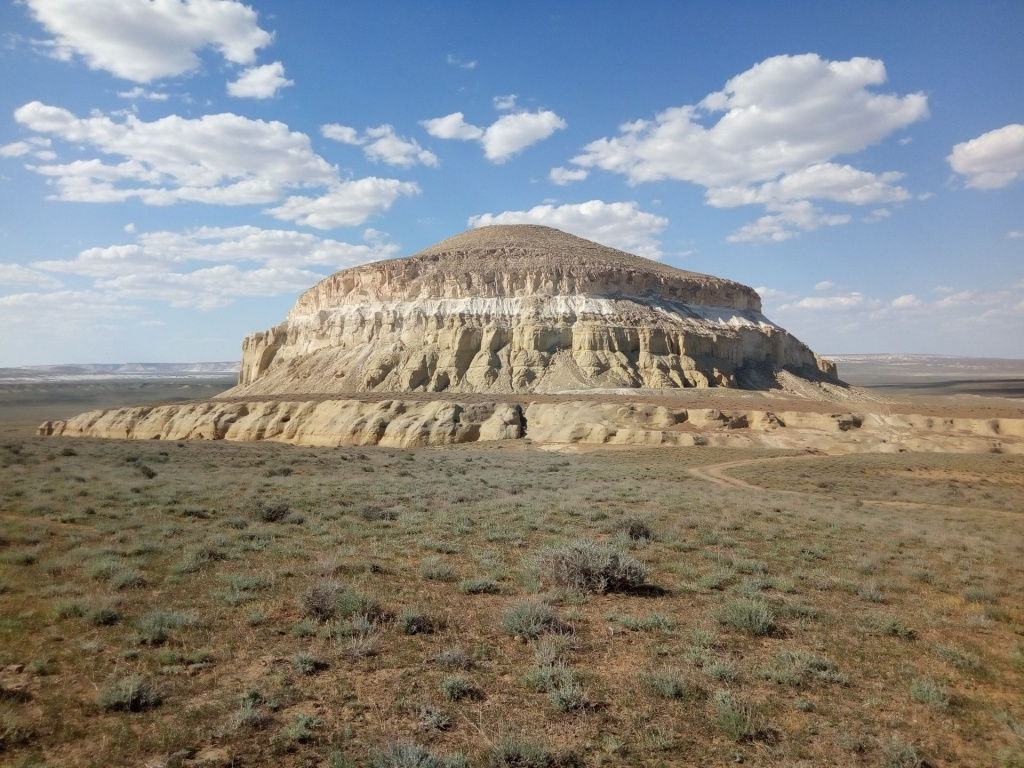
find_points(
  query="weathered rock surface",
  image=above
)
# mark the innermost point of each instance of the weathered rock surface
(520, 309)
(405, 424)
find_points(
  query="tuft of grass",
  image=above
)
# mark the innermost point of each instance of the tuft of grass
(407, 754)
(414, 622)
(156, 626)
(129, 694)
(515, 752)
(796, 668)
(436, 569)
(930, 693)
(755, 617)
(318, 602)
(670, 684)
(585, 566)
(958, 657)
(457, 688)
(530, 619)
(736, 719)
(307, 664)
(479, 586)
(453, 658)
(302, 728)
(268, 513)
(636, 529)
(901, 754)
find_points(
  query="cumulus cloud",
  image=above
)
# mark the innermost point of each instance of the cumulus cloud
(260, 82)
(824, 285)
(785, 223)
(16, 274)
(504, 103)
(160, 252)
(144, 40)
(768, 138)
(36, 146)
(992, 160)
(906, 301)
(210, 267)
(618, 225)
(224, 159)
(562, 176)
(505, 137)
(348, 203)
(822, 181)
(382, 144)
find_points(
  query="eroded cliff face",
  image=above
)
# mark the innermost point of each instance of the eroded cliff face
(409, 424)
(520, 309)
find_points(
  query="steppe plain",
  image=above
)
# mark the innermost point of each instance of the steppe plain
(223, 603)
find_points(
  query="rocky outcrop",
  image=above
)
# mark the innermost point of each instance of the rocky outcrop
(520, 309)
(406, 424)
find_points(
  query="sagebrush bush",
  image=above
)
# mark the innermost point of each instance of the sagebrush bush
(415, 622)
(529, 619)
(406, 754)
(318, 602)
(456, 688)
(155, 627)
(754, 617)
(129, 694)
(585, 566)
(735, 718)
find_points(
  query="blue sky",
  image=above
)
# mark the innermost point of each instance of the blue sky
(173, 173)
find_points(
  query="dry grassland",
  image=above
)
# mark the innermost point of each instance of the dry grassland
(256, 604)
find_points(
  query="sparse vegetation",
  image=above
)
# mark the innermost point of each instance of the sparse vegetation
(754, 620)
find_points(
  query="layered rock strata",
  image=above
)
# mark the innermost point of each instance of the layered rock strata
(520, 309)
(407, 424)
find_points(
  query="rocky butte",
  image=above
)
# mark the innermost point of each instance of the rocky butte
(521, 309)
(509, 332)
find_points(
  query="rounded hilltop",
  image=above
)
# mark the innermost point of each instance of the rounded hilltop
(520, 260)
(521, 308)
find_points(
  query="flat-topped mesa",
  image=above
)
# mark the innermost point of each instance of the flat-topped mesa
(520, 309)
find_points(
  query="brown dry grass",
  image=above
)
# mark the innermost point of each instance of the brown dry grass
(876, 608)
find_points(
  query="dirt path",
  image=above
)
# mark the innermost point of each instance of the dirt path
(717, 474)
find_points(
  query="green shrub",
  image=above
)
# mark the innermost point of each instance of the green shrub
(669, 684)
(755, 617)
(456, 688)
(414, 622)
(155, 627)
(529, 619)
(307, 664)
(930, 693)
(406, 754)
(479, 586)
(588, 567)
(736, 719)
(514, 752)
(128, 694)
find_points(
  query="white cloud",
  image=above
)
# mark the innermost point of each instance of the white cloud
(209, 288)
(824, 285)
(457, 62)
(16, 274)
(1015, 234)
(210, 267)
(223, 159)
(906, 301)
(453, 126)
(562, 176)
(504, 103)
(348, 203)
(381, 144)
(781, 116)
(160, 252)
(342, 133)
(773, 294)
(138, 92)
(260, 82)
(823, 181)
(768, 138)
(507, 136)
(878, 214)
(36, 146)
(828, 303)
(129, 228)
(992, 160)
(65, 311)
(785, 223)
(143, 40)
(618, 225)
